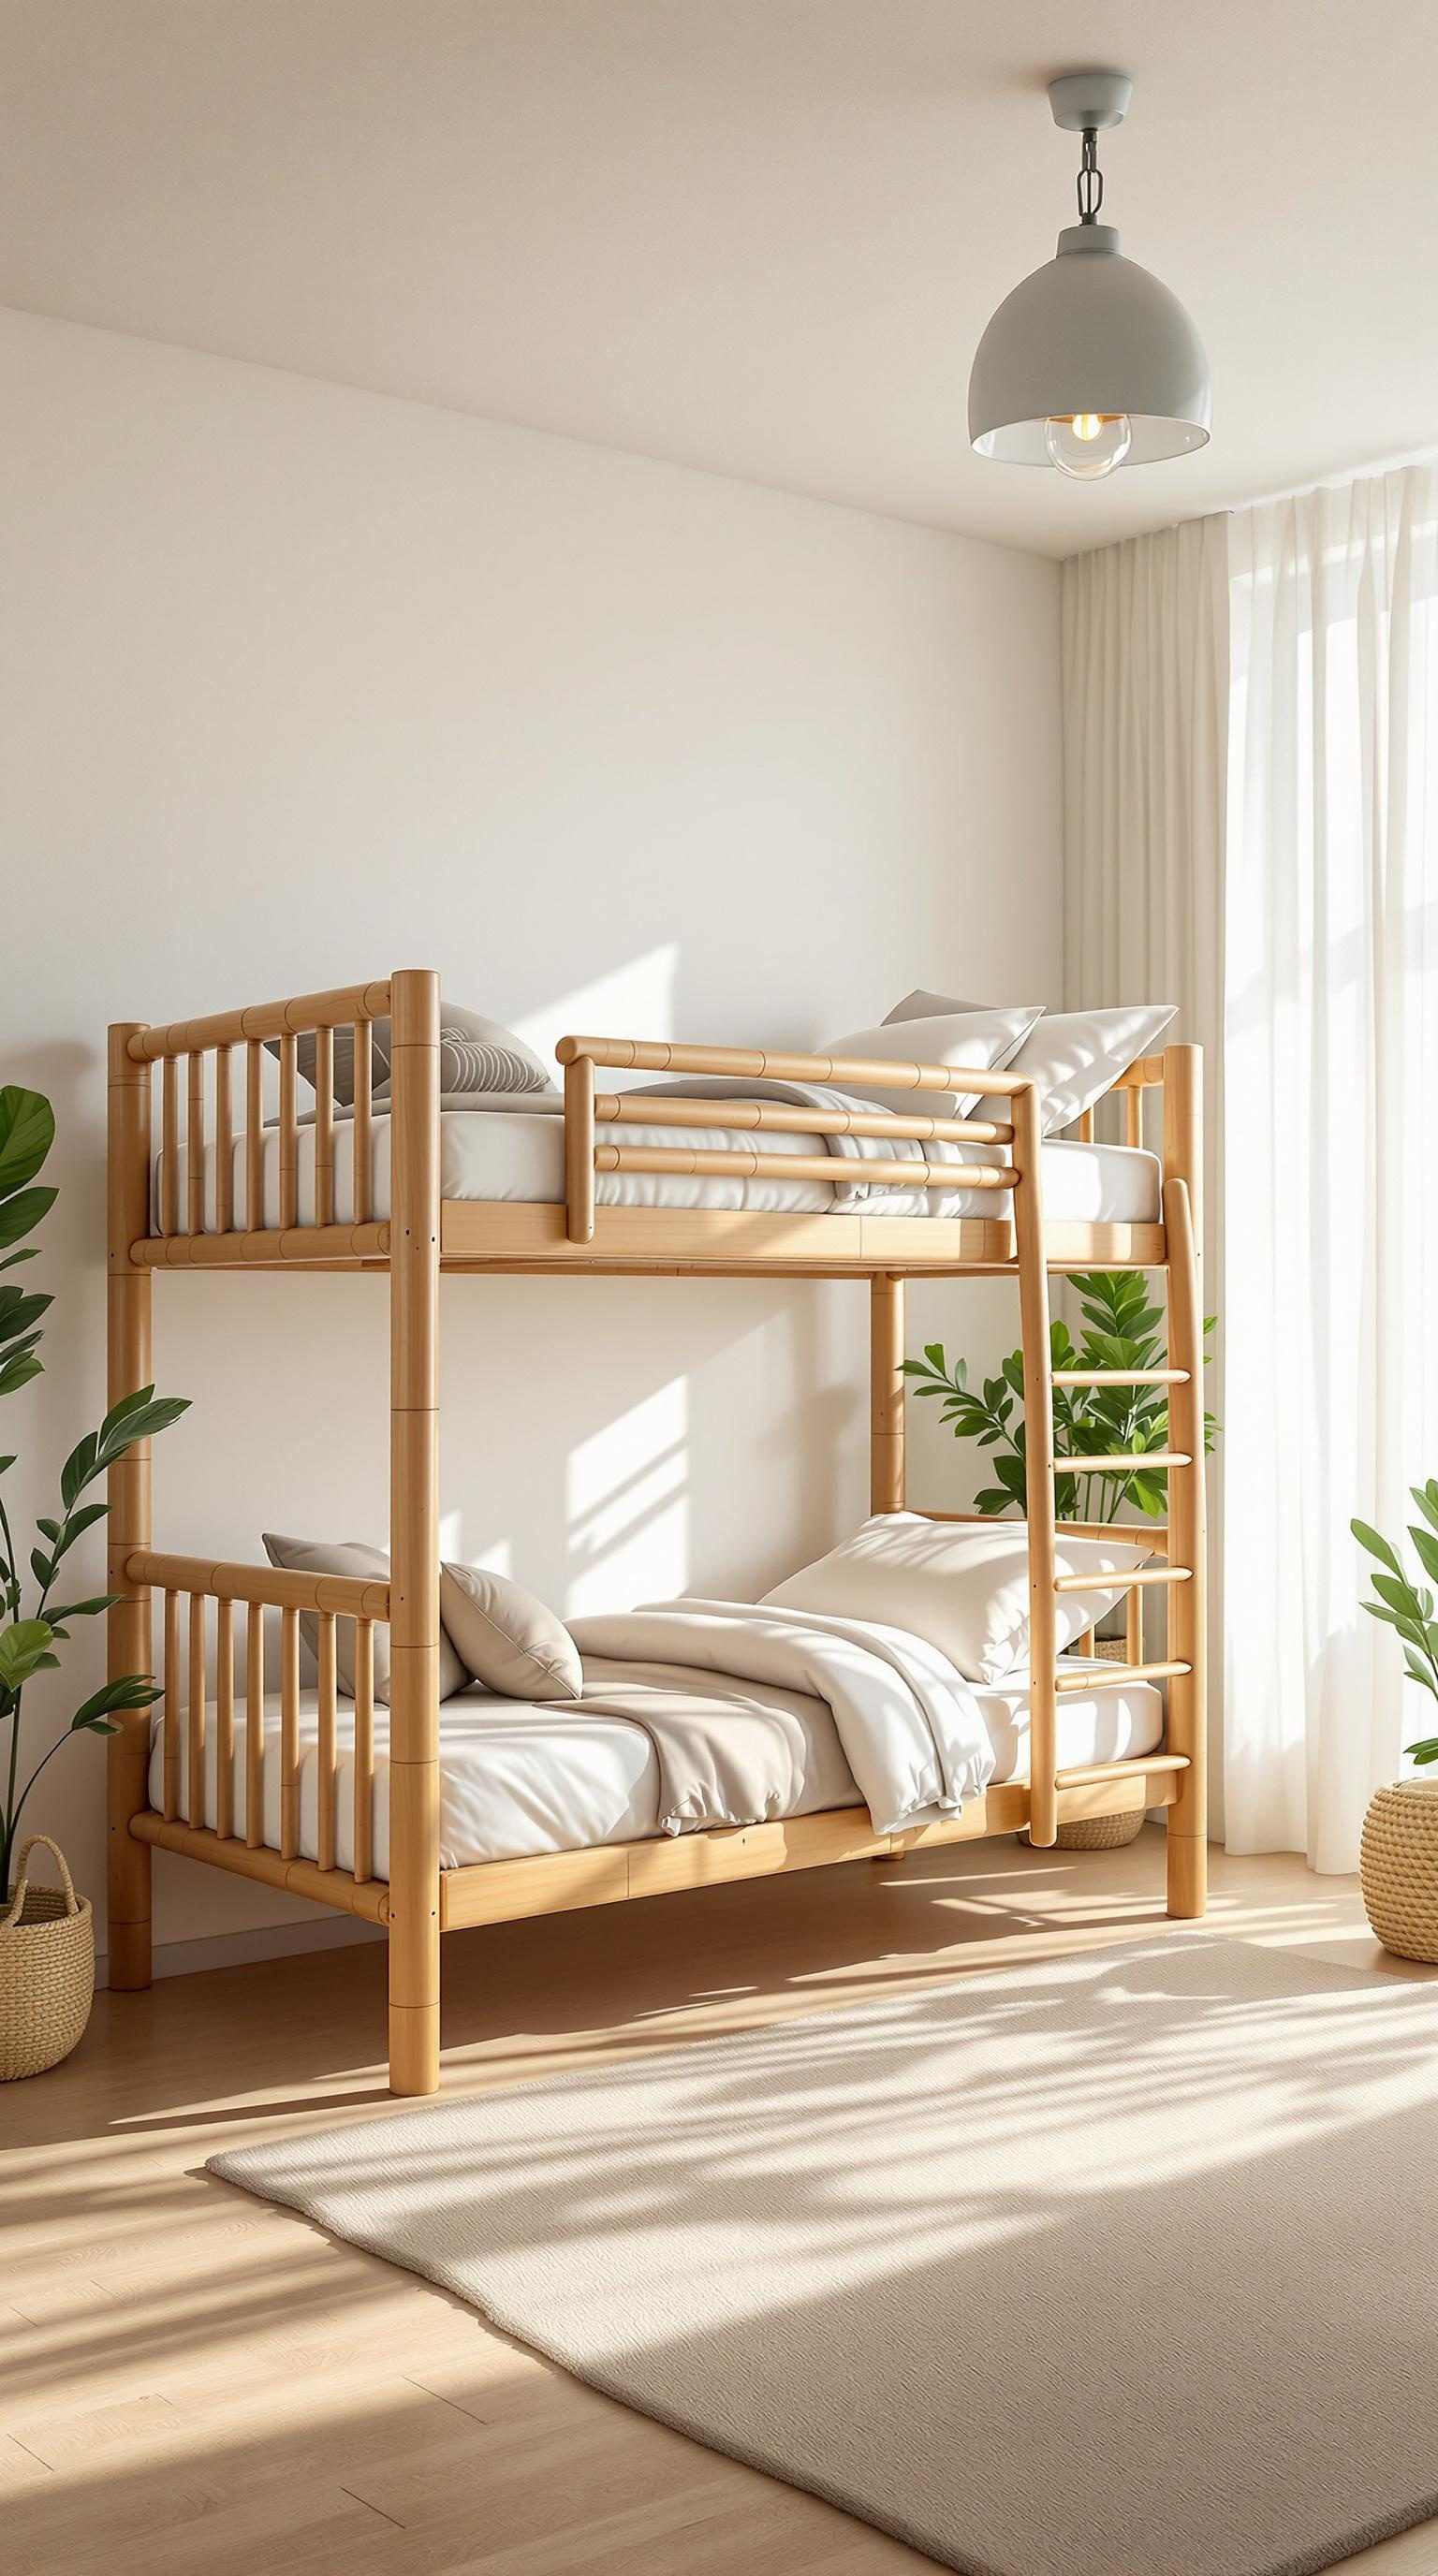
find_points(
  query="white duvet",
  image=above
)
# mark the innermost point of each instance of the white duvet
(910, 1726)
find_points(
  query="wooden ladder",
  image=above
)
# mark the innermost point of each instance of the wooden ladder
(1180, 1577)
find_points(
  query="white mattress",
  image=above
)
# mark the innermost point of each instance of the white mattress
(516, 1780)
(517, 1156)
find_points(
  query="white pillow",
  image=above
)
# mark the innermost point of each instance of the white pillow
(1076, 1056)
(959, 1038)
(964, 1585)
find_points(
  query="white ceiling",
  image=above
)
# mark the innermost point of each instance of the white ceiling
(758, 236)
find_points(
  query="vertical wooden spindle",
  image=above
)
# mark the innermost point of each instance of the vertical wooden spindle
(195, 1750)
(224, 1140)
(289, 1135)
(170, 1675)
(225, 1718)
(364, 1751)
(289, 1734)
(328, 1731)
(195, 1146)
(362, 1146)
(254, 1135)
(254, 1725)
(324, 1126)
(169, 1145)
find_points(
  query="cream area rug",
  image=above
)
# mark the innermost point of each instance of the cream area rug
(1115, 2265)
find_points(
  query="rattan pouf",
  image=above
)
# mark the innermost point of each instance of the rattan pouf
(1103, 1833)
(47, 1970)
(1399, 1868)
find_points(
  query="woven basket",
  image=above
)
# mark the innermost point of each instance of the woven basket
(1399, 1868)
(1103, 1833)
(47, 1969)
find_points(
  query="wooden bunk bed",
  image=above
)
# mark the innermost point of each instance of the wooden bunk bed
(220, 1060)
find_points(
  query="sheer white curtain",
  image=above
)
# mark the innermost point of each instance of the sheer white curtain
(1331, 1187)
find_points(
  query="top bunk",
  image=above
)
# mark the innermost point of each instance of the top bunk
(725, 1161)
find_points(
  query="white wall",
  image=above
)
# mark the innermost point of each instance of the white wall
(301, 685)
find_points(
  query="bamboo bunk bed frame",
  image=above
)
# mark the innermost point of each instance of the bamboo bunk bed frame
(425, 1235)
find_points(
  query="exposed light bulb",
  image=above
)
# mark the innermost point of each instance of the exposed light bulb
(1088, 444)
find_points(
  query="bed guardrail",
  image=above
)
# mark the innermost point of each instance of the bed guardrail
(587, 1109)
(206, 1048)
(206, 1725)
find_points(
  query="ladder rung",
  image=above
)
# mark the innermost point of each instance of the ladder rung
(1086, 1772)
(1122, 1458)
(1109, 1675)
(1120, 1377)
(1112, 1582)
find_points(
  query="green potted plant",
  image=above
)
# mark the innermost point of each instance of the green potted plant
(46, 1939)
(1398, 1862)
(1120, 1331)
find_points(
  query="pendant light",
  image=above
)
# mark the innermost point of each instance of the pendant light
(1091, 363)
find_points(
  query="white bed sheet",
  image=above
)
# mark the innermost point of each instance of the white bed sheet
(517, 1156)
(517, 1780)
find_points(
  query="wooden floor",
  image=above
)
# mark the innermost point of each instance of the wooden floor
(191, 2380)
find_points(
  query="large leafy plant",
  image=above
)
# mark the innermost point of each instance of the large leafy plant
(1120, 1331)
(1408, 1606)
(30, 1632)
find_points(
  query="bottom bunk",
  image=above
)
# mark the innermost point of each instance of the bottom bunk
(523, 1781)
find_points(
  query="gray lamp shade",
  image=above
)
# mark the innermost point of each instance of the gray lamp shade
(1089, 332)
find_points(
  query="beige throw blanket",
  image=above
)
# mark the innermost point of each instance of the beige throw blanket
(911, 1728)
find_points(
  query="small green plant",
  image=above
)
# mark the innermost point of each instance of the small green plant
(1120, 1331)
(1406, 1606)
(28, 1639)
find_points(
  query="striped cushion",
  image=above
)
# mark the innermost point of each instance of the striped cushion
(475, 1054)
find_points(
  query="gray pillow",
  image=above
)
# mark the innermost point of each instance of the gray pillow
(352, 1556)
(475, 1054)
(506, 1636)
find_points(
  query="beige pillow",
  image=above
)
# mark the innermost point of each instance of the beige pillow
(507, 1638)
(922, 1005)
(352, 1556)
(964, 1585)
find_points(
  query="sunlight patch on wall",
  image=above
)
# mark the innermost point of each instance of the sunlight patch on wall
(627, 1494)
(495, 1553)
(632, 1000)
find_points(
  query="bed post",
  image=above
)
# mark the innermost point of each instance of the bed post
(1039, 1502)
(128, 1640)
(886, 1392)
(1187, 1818)
(414, 1537)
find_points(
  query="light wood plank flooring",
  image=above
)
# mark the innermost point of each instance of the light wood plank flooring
(190, 2380)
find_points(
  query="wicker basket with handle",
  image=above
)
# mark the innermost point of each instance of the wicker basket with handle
(47, 1969)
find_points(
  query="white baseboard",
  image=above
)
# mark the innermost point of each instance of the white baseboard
(239, 1949)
